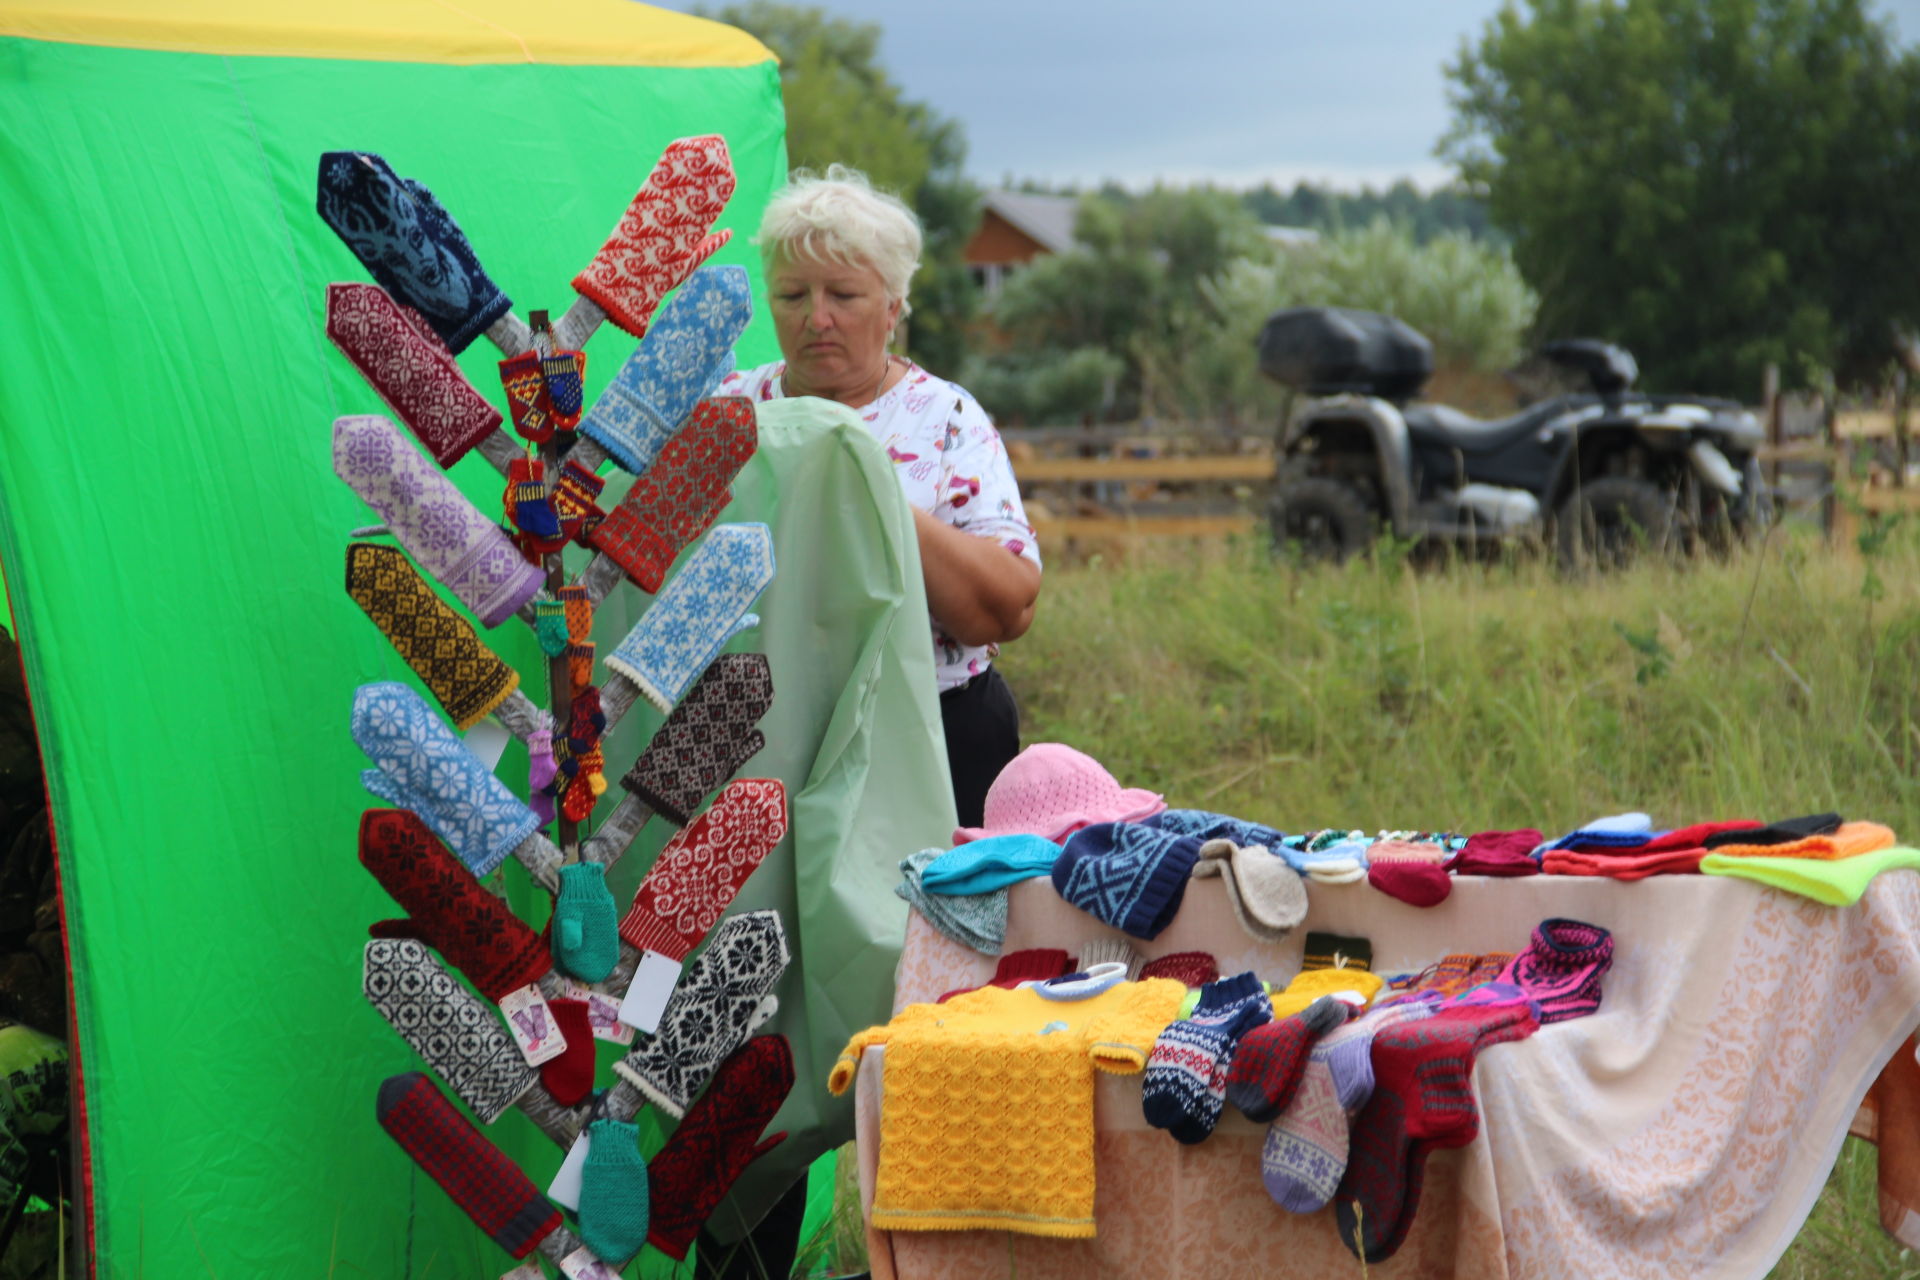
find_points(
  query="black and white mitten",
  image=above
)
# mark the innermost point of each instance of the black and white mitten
(457, 1033)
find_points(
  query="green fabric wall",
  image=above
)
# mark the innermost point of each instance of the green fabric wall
(171, 538)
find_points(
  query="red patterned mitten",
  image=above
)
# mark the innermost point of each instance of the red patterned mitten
(662, 238)
(696, 876)
(719, 1138)
(576, 499)
(527, 401)
(676, 499)
(411, 368)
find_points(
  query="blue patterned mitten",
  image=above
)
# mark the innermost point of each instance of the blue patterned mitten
(420, 765)
(410, 245)
(704, 606)
(685, 355)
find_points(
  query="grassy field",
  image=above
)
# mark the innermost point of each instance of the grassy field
(1784, 680)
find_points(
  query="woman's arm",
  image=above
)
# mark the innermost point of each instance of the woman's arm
(977, 589)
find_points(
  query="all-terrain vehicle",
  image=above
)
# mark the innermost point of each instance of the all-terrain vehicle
(1600, 474)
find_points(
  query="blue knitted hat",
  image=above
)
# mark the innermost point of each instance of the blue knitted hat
(1204, 826)
(1129, 875)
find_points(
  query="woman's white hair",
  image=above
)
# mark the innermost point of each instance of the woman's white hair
(841, 218)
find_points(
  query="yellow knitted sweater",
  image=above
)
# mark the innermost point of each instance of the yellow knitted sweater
(986, 1113)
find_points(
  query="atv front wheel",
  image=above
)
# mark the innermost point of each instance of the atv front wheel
(1610, 522)
(1323, 519)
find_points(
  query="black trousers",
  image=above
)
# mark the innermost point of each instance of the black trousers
(983, 733)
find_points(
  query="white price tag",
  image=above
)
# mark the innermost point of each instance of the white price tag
(603, 1013)
(532, 1024)
(582, 1265)
(564, 1190)
(488, 742)
(528, 1270)
(653, 983)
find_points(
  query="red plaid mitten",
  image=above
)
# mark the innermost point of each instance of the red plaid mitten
(403, 360)
(576, 499)
(696, 876)
(719, 1138)
(662, 238)
(527, 401)
(565, 373)
(706, 739)
(679, 495)
(447, 908)
(477, 1174)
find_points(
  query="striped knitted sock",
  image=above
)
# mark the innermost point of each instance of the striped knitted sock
(1186, 1077)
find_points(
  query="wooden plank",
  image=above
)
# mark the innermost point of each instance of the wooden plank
(1161, 470)
(1863, 424)
(1070, 527)
(1887, 501)
(1795, 451)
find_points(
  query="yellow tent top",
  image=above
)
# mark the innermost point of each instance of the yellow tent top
(615, 33)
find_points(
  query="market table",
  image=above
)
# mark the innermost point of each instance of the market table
(1685, 1129)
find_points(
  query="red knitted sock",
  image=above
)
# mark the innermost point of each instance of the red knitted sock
(1192, 968)
(1270, 1060)
(569, 1077)
(1016, 967)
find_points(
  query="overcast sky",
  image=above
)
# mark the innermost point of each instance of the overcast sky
(1235, 92)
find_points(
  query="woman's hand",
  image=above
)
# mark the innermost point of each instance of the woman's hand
(977, 589)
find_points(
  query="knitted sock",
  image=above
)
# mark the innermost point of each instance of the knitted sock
(1115, 950)
(568, 1079)
(1189, 968)
(468, 678)
(1784, 832)
(1421, 884)
(1448, 977)
(1498, 853)
(1269, 1060)
(1016, 967)
(1562, 967)
(527, 402)
(563, 373)
(527, 504)
(586, 937)
(1838, 883)
(1306, 1150)
(1331, 951)
(613, 1193)
(576, 499)
(1486, 968)
(1310, 985)
(477, 1174)
(550, 626)
(1186, 1077)
(1850, 840)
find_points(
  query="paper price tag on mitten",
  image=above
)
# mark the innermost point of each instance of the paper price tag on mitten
(603, 1013)
(582, 1265)
(654, 979)
(564, 1190)
(533, 1025)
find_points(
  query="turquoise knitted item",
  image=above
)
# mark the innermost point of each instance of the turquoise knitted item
(977, 920)
(613, 1193)
(981, 866)
(586, 935)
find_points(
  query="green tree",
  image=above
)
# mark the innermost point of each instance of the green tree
(843, 108)
(1715, 183)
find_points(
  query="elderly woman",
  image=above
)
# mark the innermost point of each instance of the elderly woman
(838, 258)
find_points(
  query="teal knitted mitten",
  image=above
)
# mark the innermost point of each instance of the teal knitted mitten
(586, 936)
(613, 1193)
(550, 626)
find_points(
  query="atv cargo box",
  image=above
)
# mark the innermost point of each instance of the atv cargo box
(1324, 351)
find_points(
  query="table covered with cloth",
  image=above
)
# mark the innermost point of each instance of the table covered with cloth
(1685, 1129)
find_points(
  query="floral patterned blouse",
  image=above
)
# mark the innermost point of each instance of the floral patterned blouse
(950, 462)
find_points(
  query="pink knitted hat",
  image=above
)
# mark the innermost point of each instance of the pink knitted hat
(1051, 791)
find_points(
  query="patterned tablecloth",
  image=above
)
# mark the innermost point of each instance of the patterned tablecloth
(1684, 1130)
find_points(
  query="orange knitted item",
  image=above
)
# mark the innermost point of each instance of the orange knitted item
(1851, 840)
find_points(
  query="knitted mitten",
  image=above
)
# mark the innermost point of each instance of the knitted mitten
(1189, 968)
(477, 1174)
(705, 605)
(420, 765)
(586, 942)
(1128, 875)
(439, 644)
(662, 237)
(454, 1031)
(1562, 967)
(576, 498)
(719, 1138)
(526, 499)
(564, 372)
(1266, 894)
(446, 535)
(1186, 1075)
(527, 402)
(715, 1007)
(706, 739)
(614, 1196)
(685, 357)
(446, 907)
(695, 878)
(409, 245)
(412, 371)
(676, 498)
(550, 626)
(1271, 1058)
(541, 770)
(568, 1079)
